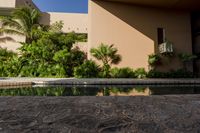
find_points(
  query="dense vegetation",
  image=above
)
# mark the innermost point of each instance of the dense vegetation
(48, 52)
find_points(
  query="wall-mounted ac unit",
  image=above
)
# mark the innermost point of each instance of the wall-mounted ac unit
(166, 47)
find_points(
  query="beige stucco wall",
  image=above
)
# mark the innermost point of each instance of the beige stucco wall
(72, 21)
(7, 3)
(133, 30)
(28, 3)
(13, 45)
(16, 3)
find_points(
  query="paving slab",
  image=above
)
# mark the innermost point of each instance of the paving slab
(153, 114)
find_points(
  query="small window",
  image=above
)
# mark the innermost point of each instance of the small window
(161, 35)
(68, 28)
(77, 28)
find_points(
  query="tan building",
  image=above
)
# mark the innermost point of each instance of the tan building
(138, 27)
(72, 22)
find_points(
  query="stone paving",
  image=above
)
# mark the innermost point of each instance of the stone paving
(153, 114)
(97, 81)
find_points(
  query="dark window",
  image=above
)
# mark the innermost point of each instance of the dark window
(161, 35)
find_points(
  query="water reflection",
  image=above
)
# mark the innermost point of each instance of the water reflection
(99, 90)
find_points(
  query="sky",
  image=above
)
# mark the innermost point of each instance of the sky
(71, 6)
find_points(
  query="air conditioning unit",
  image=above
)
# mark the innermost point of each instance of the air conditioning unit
(166, 47)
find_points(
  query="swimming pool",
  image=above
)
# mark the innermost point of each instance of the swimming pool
(100, 90)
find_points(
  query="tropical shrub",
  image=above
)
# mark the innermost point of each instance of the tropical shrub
(9, 63)
(122, 73)
(51, 55)
(156, 74)
(184, 57)
(89, 69)
(140, 73)
(22, 21)
(154, 60)
(107, 54)
(180, 73)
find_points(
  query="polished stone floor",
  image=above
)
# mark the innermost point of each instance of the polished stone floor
(153, 114)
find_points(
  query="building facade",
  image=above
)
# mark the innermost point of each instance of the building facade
(75, 22)
(137, 28)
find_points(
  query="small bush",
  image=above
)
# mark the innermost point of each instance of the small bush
(122, 73)
(154, 59)
(140, 73)
(9, 63)
(180, 73)
(156, 74)
(89, 69)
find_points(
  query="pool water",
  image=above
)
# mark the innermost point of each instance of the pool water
(99, 90)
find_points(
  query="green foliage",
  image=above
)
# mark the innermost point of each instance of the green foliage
(140, 73)
(154, 59)
(51, 55)
(180, 73)
(156, 74)
(22, 21)
(184, 57)
(88, 69)
(82, 37)
(107, 54)
(9, 63)
(56, 27)
(122, 73)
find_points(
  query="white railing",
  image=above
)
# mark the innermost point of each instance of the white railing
(166, 47)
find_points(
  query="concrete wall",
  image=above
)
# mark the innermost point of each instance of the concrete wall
(28, 3)
(13, 45)
(72, 21)
(133, 30)
(7, 3)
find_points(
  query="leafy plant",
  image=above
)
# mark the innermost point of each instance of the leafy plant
(89, 69)
(180, 73)
(140, 73)
(107, 54)
(56, 27)
(122, 73)
(22, 21)
(9, 63)
(154, 59)
(187, 57)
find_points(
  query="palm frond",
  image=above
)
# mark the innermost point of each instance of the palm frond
(11, 31)
(35, 15)
(24, 15)
(6, 38)
(9, 22)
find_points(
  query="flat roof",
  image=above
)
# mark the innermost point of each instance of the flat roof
(175, 4)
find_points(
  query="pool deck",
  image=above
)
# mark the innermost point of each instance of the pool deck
(153, 114)
(94, 81)
(138, 114)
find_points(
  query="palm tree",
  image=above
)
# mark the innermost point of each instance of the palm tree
(108, 55)
(22, 21)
